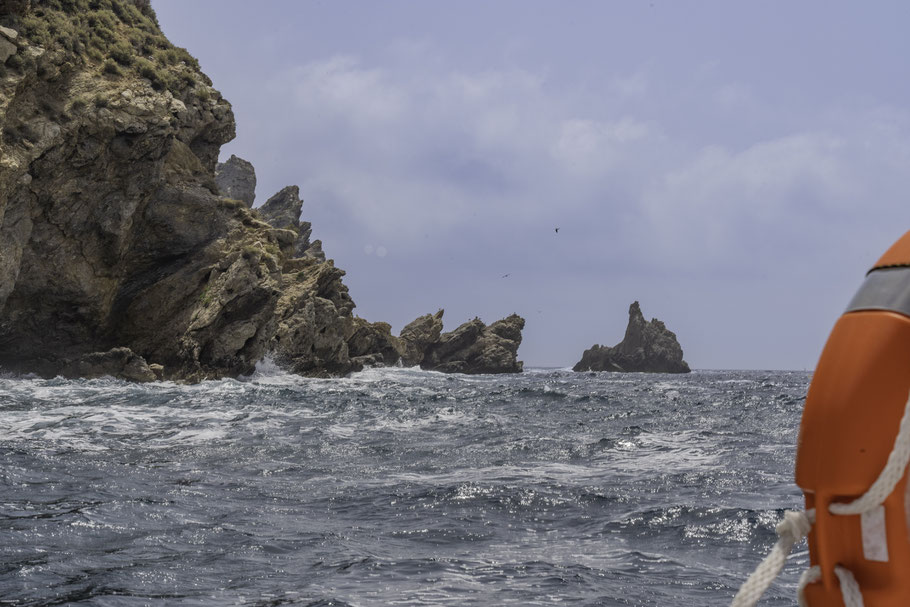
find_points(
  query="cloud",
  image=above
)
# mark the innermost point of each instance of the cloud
(724, 205)
(403, 153)
(341, 88)
(452, 178)
(591, 148)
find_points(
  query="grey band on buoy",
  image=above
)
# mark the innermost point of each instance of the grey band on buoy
(884, 289)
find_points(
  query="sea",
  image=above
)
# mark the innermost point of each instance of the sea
(397, 486)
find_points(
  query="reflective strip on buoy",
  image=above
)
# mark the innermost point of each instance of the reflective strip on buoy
(885, 289)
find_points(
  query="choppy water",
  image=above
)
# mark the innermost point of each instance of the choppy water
(396, 487)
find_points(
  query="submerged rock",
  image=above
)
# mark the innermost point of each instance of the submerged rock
(121, 363)
(647, 346)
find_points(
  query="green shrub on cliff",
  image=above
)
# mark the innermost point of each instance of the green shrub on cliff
(110, 68)
(109, 34)
(122, 53)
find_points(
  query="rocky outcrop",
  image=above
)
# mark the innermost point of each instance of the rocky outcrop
(113, 231)
(646, 347)
(121, 363)
(236, 179)
(417, 337)
(283, 211)
(123, 251)
(372, 344)
(471, 348)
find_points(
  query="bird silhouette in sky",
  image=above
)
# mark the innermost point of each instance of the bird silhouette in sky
(557, 230)
(506, 275)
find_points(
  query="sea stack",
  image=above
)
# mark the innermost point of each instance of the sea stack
(647, 347)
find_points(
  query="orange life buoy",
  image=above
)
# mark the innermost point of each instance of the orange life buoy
(853, 409)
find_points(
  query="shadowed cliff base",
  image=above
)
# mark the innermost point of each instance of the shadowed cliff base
(646, 347)
(123, 252)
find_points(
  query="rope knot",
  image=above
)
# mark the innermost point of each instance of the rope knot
(795, 526)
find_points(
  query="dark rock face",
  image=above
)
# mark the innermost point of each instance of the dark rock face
(647, 347)
(373, 344)
(113, 234)
(236, 179)
(418, 336)
(120, 256)
(283, 211)
(121, 363)
(471, 348)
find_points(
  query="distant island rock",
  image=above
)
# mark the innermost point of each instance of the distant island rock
(127, 250)
(647, 347)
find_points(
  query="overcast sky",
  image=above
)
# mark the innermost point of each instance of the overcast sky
(734, 166)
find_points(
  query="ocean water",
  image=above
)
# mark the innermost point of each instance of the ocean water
(397, 487)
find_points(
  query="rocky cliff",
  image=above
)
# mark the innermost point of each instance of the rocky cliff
(122, 249)
(647, 346)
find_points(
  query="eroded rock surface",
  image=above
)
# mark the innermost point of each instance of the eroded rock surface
(646, 347)
(124, 252)
(283, 211)
(471, 348)
(114, 232)
(236, 178)
(417, 337)
(121, 363)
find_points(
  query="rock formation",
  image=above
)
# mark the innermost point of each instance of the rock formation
(471, 348)
(418, 336)
(122, 250)
(236, 178)
(117, 362)
(647, 346)
(283, 211)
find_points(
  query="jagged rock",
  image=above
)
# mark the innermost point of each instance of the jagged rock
(236, 179)
(471, 348)
(11, 34)
(121, 363)
(313, 251)
(283, 209)
(7, 49)
(366, 339)
(417, 336)
(303, 245)
(118, 245)
(369, 360)
(646, 347)
(112, 232)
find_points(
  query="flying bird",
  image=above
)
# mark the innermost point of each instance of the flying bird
(557, 230)
(506, 275)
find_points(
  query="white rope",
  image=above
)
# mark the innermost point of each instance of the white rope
(849, 589)
(809, 576)
(794, 527)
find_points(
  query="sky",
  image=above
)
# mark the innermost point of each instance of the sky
(735, 167)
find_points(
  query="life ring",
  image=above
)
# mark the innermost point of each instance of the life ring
(849, 427)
